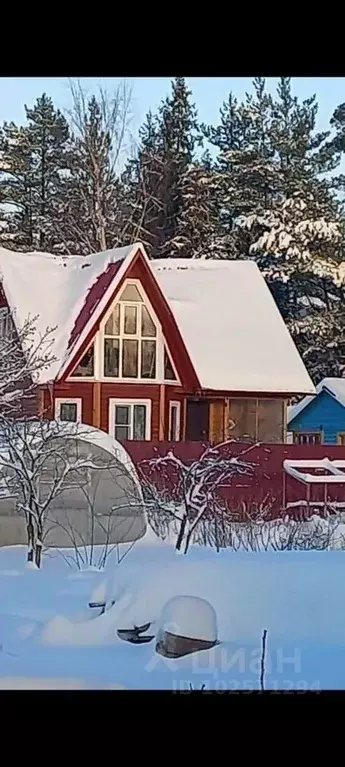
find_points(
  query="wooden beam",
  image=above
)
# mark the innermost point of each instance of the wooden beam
(40, 402)
(96, 405)
(161, 430)
(284, 420)
(183, 426)
(226, 418)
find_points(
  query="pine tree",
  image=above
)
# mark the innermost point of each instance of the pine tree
(297, 238)
(179, 135)
(155, 180)
(32, 158)
(198, 231)
(49, 145)
(17, 229)
(249, 177)
(143, 190)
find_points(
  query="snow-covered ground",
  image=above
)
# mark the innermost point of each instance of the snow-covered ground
(49, 637)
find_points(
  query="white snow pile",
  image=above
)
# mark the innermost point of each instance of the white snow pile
(49, 636)
(190, 617)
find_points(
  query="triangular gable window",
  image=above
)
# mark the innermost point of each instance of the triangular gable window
(169, 374)
(85, 368)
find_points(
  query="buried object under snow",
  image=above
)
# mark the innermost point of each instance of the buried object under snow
(187, 624)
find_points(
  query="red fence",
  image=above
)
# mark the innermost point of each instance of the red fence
(265, 485)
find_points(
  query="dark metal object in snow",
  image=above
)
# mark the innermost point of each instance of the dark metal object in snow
(134, 635)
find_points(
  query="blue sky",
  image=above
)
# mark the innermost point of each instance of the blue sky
(208, 93)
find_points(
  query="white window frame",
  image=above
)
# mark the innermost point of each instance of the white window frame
(67, 401)
(175, 404)
(113, 402)
(160, 343)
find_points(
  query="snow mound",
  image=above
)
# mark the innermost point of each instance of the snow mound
(191, 617)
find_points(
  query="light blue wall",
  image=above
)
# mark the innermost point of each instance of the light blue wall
(324, 413)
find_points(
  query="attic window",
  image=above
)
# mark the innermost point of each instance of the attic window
(131, 293)
(130, 339)
(169, 374)
(85, 367)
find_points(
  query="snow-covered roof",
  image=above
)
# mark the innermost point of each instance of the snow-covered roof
(232, 328)
(230, 324)
(53, 289)
(335, 387)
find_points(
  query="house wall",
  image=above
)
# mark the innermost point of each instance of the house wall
(107, 391)
(323, 414)
(251, 418)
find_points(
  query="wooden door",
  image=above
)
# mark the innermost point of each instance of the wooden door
(197, 427)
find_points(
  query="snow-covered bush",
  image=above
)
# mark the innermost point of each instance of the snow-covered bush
(195, 496)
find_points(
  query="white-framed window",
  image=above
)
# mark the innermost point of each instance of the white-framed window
(130, 419)
(174, 421)
(132, 345)
(130, 338)
(68, 409)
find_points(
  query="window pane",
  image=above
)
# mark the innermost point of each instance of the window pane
(121, 432)
(148, 359)
(139, 422)
(85, 366)
(121, 414)
(111, 357)
(131, 293)
(112, 327)
(169, 374)
(68, 411)
(130, 323)
(130, 359)
(148, 327)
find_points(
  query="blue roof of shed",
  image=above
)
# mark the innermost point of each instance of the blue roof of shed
(335, 387)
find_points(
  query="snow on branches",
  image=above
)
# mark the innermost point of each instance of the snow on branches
(23, 356)
(195, 487)
(39, 460)
(295, 240)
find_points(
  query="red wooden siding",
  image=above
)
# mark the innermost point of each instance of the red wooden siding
(84, 390)
(93, 298)
(265, 486)
(131, 391)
